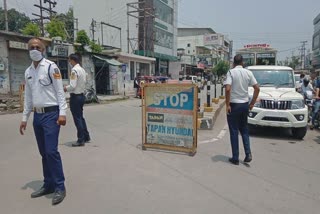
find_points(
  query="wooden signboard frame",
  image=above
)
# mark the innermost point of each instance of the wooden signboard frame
(191, 151)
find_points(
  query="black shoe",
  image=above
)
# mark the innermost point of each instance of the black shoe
(248, 158)
(235, 162)
(87, 140)
(58, 197)
(41, 192)
(77, 144)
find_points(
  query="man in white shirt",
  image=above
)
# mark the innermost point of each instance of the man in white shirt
(237, 104)
(44, 95)
(77, 99)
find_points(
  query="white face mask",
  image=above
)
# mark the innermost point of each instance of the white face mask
(35, 55)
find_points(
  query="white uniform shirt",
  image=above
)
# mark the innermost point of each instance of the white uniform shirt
(42, 90)
(240, 79)
(77, 80)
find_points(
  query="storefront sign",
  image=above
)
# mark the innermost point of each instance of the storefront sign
(169, 117)
(213, 39)
(18, 45)
(257, 46)
(60, 50)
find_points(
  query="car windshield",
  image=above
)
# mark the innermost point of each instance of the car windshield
(297, 78)
(274, 78)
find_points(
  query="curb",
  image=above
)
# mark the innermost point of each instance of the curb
(209, 118)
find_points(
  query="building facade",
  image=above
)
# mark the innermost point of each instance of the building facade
(14, 59)
(202, 47)
(316, 44)
(258, 54)
(145, 31)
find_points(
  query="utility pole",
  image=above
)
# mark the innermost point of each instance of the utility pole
(6, 15)
(51, 3)
(303, 54)
(76, 28)
(42, 9)
(93, 26)
(140, 11)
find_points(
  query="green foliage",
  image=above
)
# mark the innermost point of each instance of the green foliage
(95, 48)
(56, 28)
(31, 29)
(16, 20)
(294, 62)
(67, 19)
(221, 68)
(83, 39)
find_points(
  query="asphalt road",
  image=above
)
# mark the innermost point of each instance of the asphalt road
(113, 175)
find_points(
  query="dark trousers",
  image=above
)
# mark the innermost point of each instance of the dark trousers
(47, 131)
(238, 121)
(76, 107)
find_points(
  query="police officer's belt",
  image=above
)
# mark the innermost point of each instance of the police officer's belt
(73, 94)
(46, 109)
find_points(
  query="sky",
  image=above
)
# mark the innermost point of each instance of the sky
(281, 23)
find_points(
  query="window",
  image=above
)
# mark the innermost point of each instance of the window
(188, 52)
(163, 12)
(188, 45)
(316, 42)
(164, 38)
(274, 78)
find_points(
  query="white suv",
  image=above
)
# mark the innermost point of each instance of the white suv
(278, 104)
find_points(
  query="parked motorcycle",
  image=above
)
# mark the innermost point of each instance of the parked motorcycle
(91, 96)
(308, 99)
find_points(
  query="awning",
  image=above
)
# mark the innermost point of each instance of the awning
(109, 61)
(156, 55)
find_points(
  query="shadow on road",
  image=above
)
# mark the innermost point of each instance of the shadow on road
(69, 144)
(220, 158)
(225, 159)
(317, 140)
(272, 133)
(35, 185)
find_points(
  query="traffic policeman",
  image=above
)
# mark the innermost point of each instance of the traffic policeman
(45, 96)
(77, 99)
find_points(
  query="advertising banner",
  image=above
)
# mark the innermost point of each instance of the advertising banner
(213, 39)
(169, 117)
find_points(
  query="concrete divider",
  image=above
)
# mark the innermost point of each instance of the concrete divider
(209, 118)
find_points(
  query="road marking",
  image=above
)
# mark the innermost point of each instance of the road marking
(221, 134)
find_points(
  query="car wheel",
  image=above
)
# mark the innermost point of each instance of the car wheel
(299, 133)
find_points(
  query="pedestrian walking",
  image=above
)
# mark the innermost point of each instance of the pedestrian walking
(237, 107)
(44, 94)
(136, 85)
(77, 99)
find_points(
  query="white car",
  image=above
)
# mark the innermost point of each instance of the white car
(278, 104)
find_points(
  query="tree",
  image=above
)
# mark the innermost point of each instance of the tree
(95, 48)
(67, 19)
(294, 62)
(221, 68)
(83, 39)
(16, 20)
(31, 29)
(56, 28)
